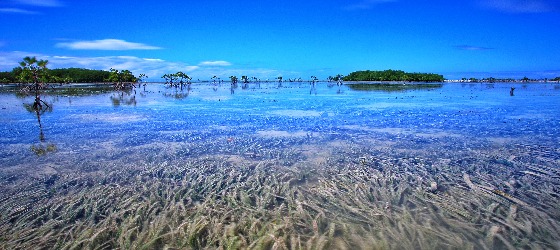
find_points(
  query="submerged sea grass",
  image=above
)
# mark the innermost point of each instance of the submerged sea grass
(263, 193)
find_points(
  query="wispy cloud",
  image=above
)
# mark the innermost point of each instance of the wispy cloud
(215, 63)
(470, 47)
(17, 11)
(366, 4)
(521, 6)
(23, 6)
(42, 3)
(105, 44)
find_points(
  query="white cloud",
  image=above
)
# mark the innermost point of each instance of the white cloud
(105, 44)
(22, 5)
(43, 3)
(366, 4)
(17, 11)
(215, 63)
(521, 6)
(470, 47)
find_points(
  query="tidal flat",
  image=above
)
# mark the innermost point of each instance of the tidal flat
(282, 166)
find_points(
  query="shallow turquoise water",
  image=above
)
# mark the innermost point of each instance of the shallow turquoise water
(77, 124)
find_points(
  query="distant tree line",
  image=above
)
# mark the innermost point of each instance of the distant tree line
(491, 79)
(393, 75)
(506, 80)
(80, 75)
(8, 77)
(67, 75)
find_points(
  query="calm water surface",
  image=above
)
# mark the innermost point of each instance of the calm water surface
(206, 113)
(466, 165)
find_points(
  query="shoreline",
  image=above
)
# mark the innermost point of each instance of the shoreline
(343, 82)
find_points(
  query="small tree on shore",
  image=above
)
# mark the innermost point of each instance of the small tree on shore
(314, 79)
(169, 79)
(182, 77)
(245, 79)
(34, 74)
(141, 79)
(233, 79)
(122, 79)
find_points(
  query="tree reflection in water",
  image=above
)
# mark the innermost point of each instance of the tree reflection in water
(39, 107)
(127, 98)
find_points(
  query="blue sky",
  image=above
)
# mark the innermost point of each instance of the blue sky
(270, 38)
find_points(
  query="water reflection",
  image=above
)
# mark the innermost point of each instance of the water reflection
(394, 87)
(38, 107)
(127, 98)
(178, 92)
(313, 89)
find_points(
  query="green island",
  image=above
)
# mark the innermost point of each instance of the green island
(393, 76)
(66, 75)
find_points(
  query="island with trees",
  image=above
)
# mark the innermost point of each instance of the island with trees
(392, 76)
(66, 75)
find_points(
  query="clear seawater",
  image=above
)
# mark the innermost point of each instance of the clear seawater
(476, 129)
(77, 124)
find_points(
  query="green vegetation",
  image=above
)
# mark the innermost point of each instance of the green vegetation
(79, 75)
(123, 79)
(233, 79)
(41, 150)
(336, 78)
(33, 74)
(66, 75)
(393, 75)
(177, 79)
(7, 77)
